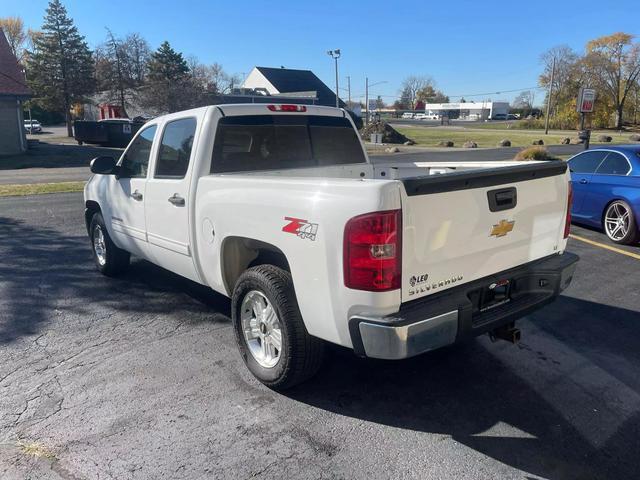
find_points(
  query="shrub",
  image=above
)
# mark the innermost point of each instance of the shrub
(534, 153)
(604, 138)
(635, 137)
(470, 144)
(504, 143)
(537, 142)
(445, 143)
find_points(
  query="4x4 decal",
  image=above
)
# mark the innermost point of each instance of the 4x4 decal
(301, 228)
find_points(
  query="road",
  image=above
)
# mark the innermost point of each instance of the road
(73, 174)
(139, 378)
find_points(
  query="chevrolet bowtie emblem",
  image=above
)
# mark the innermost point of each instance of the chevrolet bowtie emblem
(502, 228)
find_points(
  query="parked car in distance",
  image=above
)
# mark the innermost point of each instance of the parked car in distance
(512, 116)
(407, 115)
(32, 126)
(499, 116)
(606, 191)
(420, 116)
(279, 208)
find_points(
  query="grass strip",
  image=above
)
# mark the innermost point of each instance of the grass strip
(40, 188)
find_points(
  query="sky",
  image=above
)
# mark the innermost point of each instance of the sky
(480, 49)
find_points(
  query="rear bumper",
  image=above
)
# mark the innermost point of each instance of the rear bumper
(448, 317)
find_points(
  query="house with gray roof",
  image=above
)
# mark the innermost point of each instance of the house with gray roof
(13, 92)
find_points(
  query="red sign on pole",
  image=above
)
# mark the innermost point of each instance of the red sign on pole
(586, 98)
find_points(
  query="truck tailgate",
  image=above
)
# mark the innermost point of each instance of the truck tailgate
(463, 226)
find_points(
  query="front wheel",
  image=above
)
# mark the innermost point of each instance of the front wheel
(271, 335)
(109, 259)
(620, 224)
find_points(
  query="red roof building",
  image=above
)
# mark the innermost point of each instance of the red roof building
(13, 92)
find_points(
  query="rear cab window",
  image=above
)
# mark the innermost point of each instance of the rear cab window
(274, 142)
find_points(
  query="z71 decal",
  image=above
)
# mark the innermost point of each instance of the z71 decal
(301, 228)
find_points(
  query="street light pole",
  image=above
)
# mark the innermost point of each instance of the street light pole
(335, 54)
(349, 90)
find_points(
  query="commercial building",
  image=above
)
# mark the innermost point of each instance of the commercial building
(485, 110)
(13, 91)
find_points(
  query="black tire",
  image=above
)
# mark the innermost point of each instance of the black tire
(302, 354)
(633, 233)
(115, 260)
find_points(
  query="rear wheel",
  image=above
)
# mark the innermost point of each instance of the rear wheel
(271, 335)
(109, 259)
(620, 225)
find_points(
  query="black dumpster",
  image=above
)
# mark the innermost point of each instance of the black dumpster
(108, 133)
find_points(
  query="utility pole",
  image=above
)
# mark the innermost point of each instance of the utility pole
(349, 90)
(335, 54)
(366, 99)
(549, 93)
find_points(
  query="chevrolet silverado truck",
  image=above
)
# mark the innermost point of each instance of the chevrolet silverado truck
(279, 208)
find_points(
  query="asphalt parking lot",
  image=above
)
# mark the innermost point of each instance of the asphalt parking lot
(139, 378)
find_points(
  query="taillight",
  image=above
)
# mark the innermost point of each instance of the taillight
(567, 224)
(287, 108)
(373, 251)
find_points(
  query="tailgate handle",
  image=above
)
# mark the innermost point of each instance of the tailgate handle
(502, 199)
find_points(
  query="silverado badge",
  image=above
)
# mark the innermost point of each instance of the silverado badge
(502, 228)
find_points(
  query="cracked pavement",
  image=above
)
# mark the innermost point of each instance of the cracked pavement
(139, 378)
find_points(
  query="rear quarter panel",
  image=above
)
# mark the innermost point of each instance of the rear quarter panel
(255, 208)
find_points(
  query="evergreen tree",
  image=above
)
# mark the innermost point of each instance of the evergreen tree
(170, 86)
(60, 68)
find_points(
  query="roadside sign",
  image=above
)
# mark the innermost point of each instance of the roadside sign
(586, 98)
(373, 105)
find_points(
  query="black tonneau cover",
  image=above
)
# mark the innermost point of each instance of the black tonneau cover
(464, 180)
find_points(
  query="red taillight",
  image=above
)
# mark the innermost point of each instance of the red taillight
(567, 224)
(373, 251)
(287, 108)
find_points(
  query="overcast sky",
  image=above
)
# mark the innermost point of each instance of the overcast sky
(469, 47)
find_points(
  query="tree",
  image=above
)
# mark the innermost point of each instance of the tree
(410, 88)
(380, 103)
(613, 62)
(524, 101)
(429, 94)
(170, 86)
(13, 28)
(211, 78)
(60, 67)
(137, 53)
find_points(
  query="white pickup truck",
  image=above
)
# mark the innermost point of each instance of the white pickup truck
(279, 208)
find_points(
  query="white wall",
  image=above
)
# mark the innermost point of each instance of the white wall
(255, 79)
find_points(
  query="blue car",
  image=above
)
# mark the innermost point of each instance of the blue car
(606, 191)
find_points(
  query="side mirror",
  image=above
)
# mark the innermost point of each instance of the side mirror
(103, 165)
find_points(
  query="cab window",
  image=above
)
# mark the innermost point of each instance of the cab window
(175, 148)
(614, 164)
(586, 162)
(135, 160)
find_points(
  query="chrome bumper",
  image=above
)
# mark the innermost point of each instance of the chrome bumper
(396, 342)
(451, 316)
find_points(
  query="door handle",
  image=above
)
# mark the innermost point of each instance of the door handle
(583, 181)
(177, 200)
(136, 195)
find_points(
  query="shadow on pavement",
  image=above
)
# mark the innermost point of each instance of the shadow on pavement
(464, 392)
(43, 273)
(467, 393)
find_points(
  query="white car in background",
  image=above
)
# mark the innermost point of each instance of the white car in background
(32, 126)
(407, 115)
